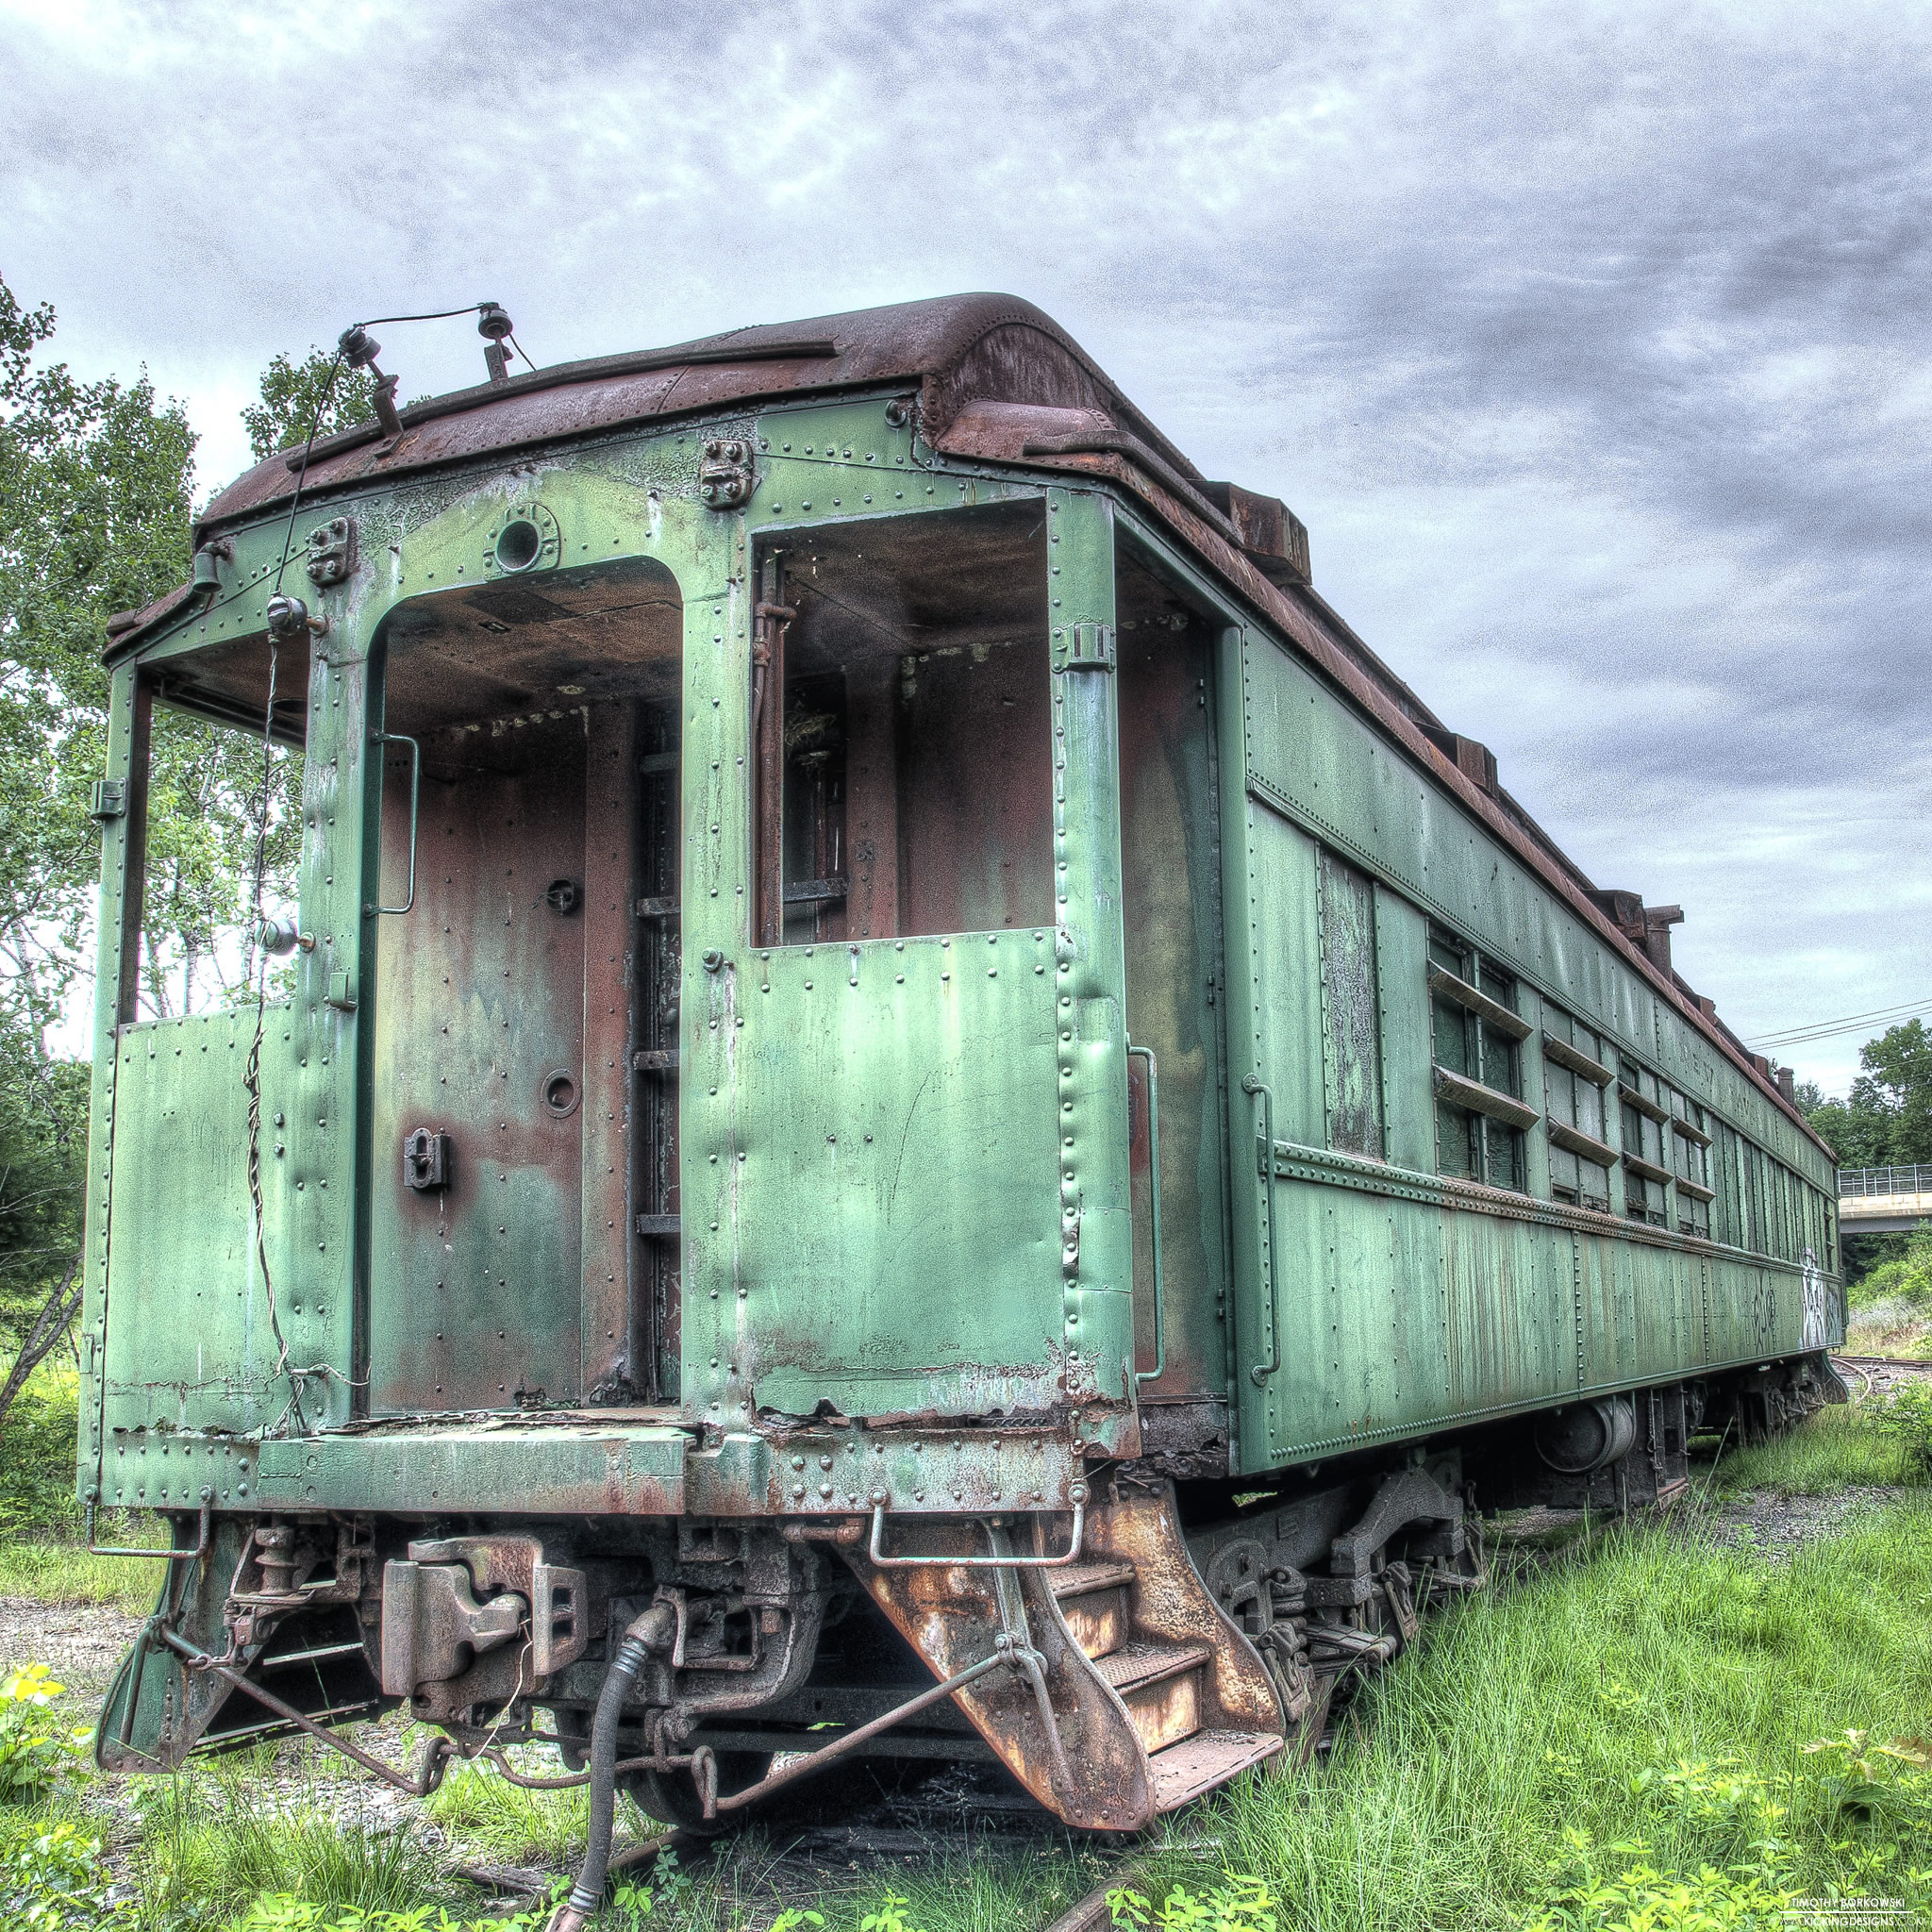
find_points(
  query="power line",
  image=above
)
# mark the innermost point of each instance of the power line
(1827, 1029)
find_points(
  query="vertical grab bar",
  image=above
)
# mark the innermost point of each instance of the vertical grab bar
(1251, 1085)
(1146, 1053)
(415, 794)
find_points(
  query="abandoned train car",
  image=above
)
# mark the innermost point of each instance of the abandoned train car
(912, 1103)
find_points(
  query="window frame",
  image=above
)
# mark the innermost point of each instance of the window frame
(1493, 1115)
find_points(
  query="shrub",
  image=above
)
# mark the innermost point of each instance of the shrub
(37, 1452)
(37, 1749)
(1904, 1417)
(52, 1879)
(1906, 1278)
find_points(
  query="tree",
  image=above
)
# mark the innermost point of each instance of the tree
(94, 514)
(294, 394)
(1856, 1136)
(1886, 1121)
(1896, 1089)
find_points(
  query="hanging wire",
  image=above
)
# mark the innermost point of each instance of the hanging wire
(1852, 1023)
(251, 1074)
(519, 348)
(439, 315)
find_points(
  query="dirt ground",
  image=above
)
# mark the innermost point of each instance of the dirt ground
(81, 1643)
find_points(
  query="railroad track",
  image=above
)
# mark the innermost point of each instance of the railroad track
(1876, 1372)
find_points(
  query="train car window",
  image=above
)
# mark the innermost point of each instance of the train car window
(902, 697)
(1690, 1148)
(201, 806)
(1644, 1118)
(1575, 1075)
(1351, 1007)
(1474, 1040)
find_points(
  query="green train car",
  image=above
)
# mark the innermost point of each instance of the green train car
(914, 1112)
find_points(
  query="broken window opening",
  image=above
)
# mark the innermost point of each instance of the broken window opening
(216, 777)
(902, 734)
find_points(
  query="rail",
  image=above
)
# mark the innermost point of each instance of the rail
(415, 799)
(1252, 1084)
(1146, 1053)
(1853, 1182)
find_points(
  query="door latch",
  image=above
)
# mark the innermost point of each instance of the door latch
(429, 1160)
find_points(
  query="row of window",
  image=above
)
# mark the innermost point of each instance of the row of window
(1601, 1110)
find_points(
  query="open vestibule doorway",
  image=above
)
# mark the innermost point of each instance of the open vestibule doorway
(523, 1161)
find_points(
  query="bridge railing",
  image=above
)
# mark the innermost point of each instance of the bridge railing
(1884, 1180)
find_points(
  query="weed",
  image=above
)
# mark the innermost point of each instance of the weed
(1241, 1904)
(52, 1878)
(37, 1749)
(1635, 1893)
(285, 1912)
(1892, 1326)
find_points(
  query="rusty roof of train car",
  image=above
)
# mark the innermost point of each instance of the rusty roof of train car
(999, 379)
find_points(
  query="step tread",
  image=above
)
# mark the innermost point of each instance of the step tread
(1204, 1761)
(1136, 1664)
(1082, 1579)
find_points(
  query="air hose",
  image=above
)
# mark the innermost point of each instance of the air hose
(649, 1632)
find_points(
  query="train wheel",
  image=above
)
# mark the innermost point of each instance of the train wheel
(671, 1796)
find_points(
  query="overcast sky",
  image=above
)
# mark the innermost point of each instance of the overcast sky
(1589, 340)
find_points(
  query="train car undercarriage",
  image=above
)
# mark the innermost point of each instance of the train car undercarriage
(1169, 1638)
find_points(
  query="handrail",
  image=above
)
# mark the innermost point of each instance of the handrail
(1856, 1181)
(415, 794)
(878, 1553)
(167, 1556)
(1146, 1053)
(1251, 1085)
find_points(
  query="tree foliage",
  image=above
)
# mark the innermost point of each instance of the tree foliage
(294, 394)
(1886, 1121)
(96, 512)
(95, 481)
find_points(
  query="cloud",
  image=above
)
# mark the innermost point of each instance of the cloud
(1587, 339)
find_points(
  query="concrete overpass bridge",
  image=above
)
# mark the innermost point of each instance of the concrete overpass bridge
(1883, 1200)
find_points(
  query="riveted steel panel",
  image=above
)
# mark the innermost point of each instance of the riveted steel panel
(884, 1178)
(555, 1470)
(1312, 757)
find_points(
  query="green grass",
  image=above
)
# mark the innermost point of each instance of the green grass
(525, 1827)
(42, 1542)
(1837, 1449)
(1556, 1709)
(208, 1851)
(53, 1572)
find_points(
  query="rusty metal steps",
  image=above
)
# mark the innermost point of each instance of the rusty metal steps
(1141, 1693)
(1095, 1600)
(1141, 1666)
(1199, 1699)
(1161, 1686)
(1205, 1762)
